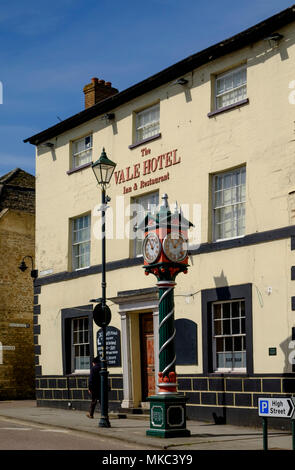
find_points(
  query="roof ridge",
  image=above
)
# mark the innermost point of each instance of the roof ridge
(7, 177)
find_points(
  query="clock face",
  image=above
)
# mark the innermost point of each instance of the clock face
(151, 247)
(175, 248)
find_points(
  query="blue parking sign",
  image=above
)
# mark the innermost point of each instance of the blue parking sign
(263, 407)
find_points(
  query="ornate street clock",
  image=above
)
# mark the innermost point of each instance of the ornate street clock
(165, 255)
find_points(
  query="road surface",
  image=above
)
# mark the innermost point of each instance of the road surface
(17, 435)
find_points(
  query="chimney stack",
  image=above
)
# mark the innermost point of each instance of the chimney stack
(96, 91)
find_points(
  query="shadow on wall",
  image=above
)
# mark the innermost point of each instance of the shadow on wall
(220, 418)
(288, 348)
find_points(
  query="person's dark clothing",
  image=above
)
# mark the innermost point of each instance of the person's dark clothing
(94, 387)
(94, 381)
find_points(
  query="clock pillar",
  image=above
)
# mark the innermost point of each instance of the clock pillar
(165, 256)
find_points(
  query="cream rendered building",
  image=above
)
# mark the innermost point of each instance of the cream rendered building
(216, 133)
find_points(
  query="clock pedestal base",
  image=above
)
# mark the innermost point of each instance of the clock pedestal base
(168, 416)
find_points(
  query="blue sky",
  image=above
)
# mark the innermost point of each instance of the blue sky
(50, 50)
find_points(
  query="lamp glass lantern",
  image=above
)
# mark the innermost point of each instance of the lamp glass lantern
(103, 169)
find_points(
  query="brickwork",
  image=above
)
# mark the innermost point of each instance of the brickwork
(96, 91)
(17, 229)
(218, 397)
(72, 391)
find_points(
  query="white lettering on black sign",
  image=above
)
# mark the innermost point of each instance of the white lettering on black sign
(113, 346)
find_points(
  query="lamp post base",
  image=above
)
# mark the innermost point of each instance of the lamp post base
(104, 423)
(168, 416)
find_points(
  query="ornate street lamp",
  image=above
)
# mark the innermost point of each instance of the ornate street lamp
(103, 170)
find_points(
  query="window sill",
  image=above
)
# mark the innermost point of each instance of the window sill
(228, 373)
(79, 168)
(228, 108)
(142, 142)
(220, 240)
(80, 269)
(72, 374)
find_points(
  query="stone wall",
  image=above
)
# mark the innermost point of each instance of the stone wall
(16, 306)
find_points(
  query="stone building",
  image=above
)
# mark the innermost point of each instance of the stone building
(215, 132)
(17, 240)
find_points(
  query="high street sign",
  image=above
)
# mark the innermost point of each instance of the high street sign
(276, 407)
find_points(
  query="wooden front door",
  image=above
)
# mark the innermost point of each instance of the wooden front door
(147, 355)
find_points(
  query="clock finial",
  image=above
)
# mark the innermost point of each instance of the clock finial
(165, 201)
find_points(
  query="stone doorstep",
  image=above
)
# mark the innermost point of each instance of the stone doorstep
(131, 413)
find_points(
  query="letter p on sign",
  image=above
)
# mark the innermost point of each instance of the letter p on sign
(263, 405)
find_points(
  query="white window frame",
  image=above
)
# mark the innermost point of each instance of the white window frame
(151, 207)
(84, 242)
(154, 125)
(224, 75)
(223, 336)
(77, 155)
(78, 344)
(242, 202)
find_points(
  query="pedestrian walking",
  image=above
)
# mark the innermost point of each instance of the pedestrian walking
(94, 385)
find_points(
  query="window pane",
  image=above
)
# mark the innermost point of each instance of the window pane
(228, 360)
(235, 309)
(220, 360)
(219, 345)
(217, 327)
(238, 343)
(226, 310)
(228, 344)
(235, 327)
(217, 311)
(226, 327)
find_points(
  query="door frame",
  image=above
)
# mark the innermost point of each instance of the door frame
(131, 304)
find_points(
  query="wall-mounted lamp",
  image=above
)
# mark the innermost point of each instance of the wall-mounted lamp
(47, 144)
(180, 81)
(274, 39)
(109, 116)
(23, 267)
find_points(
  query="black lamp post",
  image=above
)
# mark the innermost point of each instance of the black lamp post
(103, 170)
(23, 267)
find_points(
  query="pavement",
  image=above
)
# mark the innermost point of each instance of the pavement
(132, 429)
